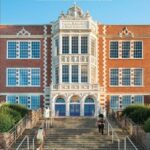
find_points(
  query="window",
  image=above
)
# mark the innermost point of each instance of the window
(114, 77)
(138, 77)
(65, 45)
(23, 100)
(138, 99)
(65, 73)
(23, 77)
(138, 49)
(125, 49)
(11, 99)
(84, 73)
(35, 77)
(57, 75)
(125, 76)
(113, 49)
(57, 46)
(12, 50)
(74, 45)
(24, 49)
(35, 49)
(84, 45)
(35, 102)
(74, 73)
(114, 102)
(93, 46)
(126, 101)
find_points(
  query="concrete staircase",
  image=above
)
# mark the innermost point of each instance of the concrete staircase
(75, 133)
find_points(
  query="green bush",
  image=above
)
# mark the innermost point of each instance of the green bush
(6, 122)
(147, 125)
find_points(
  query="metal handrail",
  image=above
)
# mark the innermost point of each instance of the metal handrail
(113, 133)
(125, 143)
(26, 137)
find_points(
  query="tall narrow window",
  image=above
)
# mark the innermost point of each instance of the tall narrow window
(57, 46)
(35, 102)
(126, 77)
(65, 73)
(74, 73)
(12, 80)
(113, 49)
(35, 77)
(12, 50)
(11, 99)
(138, 99)
(74, 45)
(138, 49)
(125, 49)
(24, 77)
(84, 73)
(126, 101)
(93, 46)
(138, 77)
(35, 49)
(57, 75)
(65, 45)
(114, 102)
(23, 100)
(114, 80)
(84, 45)
(23, 49)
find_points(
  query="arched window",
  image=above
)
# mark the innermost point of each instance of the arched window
(60, 100)
(89, 100)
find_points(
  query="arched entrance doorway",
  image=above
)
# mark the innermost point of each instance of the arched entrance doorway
(89, 107)
(75, 106)
(60, 107)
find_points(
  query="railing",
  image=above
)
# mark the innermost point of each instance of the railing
(113, 134)
(26, 137)
(125, 143)
(16, 131)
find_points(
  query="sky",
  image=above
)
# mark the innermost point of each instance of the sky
(46, 11)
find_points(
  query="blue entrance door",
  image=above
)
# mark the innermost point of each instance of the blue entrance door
(74, 109)
(60, 109)
(89, 109)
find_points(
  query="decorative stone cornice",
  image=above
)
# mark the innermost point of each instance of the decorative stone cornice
(23, 32)
(126, 33)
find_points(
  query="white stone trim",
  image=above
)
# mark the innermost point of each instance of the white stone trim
(23, 32)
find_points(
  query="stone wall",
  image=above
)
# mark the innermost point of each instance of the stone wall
(28, 122)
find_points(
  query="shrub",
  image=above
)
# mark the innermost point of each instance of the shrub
(6, 122)
(147, 125)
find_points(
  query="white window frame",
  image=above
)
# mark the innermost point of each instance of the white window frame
(29, 41)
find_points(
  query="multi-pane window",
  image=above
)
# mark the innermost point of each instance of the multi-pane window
(138, 49)
(35, 49)
(12, 50)
(11, 99)
(74, 73)
(35, 77)
(23, 77)
(57, 75)
(138, 99)
(65, 45)
(75, 45)
(93, 46)
(114, 49)
(24, 49)
(126, 101)
(114, 80)
(65, 73)
(84, 45)
(138, 77)
(114, 102)
(35, 102)
(31, 102)
(126, 77)
(84, 73)
(125, 49)
(11, 77)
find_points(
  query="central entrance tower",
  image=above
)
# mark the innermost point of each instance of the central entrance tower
(74, 89)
